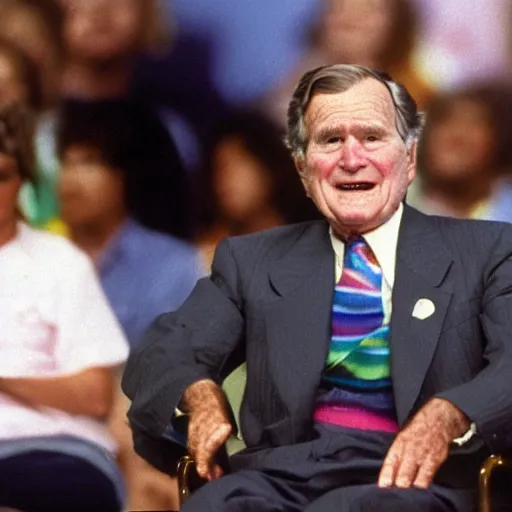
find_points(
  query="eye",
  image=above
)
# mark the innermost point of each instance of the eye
(333, 140)
(371, 138)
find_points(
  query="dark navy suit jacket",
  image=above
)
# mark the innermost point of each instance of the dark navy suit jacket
(268, 301)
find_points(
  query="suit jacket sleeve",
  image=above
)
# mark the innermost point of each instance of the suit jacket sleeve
(182, 347)
(487, 399)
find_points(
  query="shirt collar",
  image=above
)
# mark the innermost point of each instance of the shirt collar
(383, 242)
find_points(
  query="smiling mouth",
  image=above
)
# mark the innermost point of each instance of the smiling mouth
(355, 186)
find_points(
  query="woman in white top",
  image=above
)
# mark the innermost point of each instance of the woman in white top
(60, 346)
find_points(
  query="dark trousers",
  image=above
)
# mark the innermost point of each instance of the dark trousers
(337, 472)
(41, 481)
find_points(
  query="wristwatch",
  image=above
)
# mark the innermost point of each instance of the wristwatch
(462, 440)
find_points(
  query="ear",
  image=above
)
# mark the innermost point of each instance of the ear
(300, 165)
(412, 157)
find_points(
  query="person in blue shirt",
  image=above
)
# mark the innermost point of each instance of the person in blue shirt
(105, 192)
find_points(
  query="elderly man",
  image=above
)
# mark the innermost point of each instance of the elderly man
(377, 343)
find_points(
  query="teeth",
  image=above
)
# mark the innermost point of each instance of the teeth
(355, 186)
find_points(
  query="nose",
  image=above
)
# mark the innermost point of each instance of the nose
(353, 156)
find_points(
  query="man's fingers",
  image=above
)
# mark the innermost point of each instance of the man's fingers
(200, 432)
(426, 473)
(217, 438)
(216, 472)
(203, 462)
(407, 471)
(389, 469)
(207, 448)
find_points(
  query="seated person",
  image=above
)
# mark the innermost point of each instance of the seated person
(35, 29)
(248, 182)
(60, 346)
(377, 342)
(102, 185)
(466, 173)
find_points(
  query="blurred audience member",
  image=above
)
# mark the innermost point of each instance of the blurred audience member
(95, 68)
(34, 30)
(454, 51)
(249, 182)
(161, 200)
(465, 156)
(108, 162)
(19, 78)
(104, 39)
(59, 347)
(249, 45)
(375, 33)
(35, 26)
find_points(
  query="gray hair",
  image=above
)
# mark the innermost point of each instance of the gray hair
(339, 78)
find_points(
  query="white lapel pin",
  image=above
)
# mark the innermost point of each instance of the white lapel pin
(423, 309)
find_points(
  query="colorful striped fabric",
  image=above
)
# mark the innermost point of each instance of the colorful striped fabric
(357, 377)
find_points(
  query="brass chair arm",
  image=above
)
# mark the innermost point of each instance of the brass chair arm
(185, 466)
(484, 480)
(188, 479)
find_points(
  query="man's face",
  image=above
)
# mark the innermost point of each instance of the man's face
(91, 193)
(356, 167)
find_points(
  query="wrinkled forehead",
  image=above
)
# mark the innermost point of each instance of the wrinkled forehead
(367, 101)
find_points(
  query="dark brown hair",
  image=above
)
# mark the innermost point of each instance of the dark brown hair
(263, 140)
(16, 137)
(497, 101)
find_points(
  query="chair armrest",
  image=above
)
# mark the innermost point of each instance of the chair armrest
(487, 469)
(188, 479)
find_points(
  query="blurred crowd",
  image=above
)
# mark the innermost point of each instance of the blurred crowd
(145, 131)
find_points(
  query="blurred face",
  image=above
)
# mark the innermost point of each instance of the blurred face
(461, 145)
(91, 193)
(102, 30)
(241, 184)
(356, 31)
(12, 88)
(10, 183)
(25, 29)
(356, 167)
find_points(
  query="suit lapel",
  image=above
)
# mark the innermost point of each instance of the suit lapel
(298, 323)
(421, 267)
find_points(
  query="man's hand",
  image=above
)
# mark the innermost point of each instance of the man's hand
(209, 426)
(422, 446)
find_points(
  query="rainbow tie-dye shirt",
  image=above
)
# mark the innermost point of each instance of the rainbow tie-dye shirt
(356, 386)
